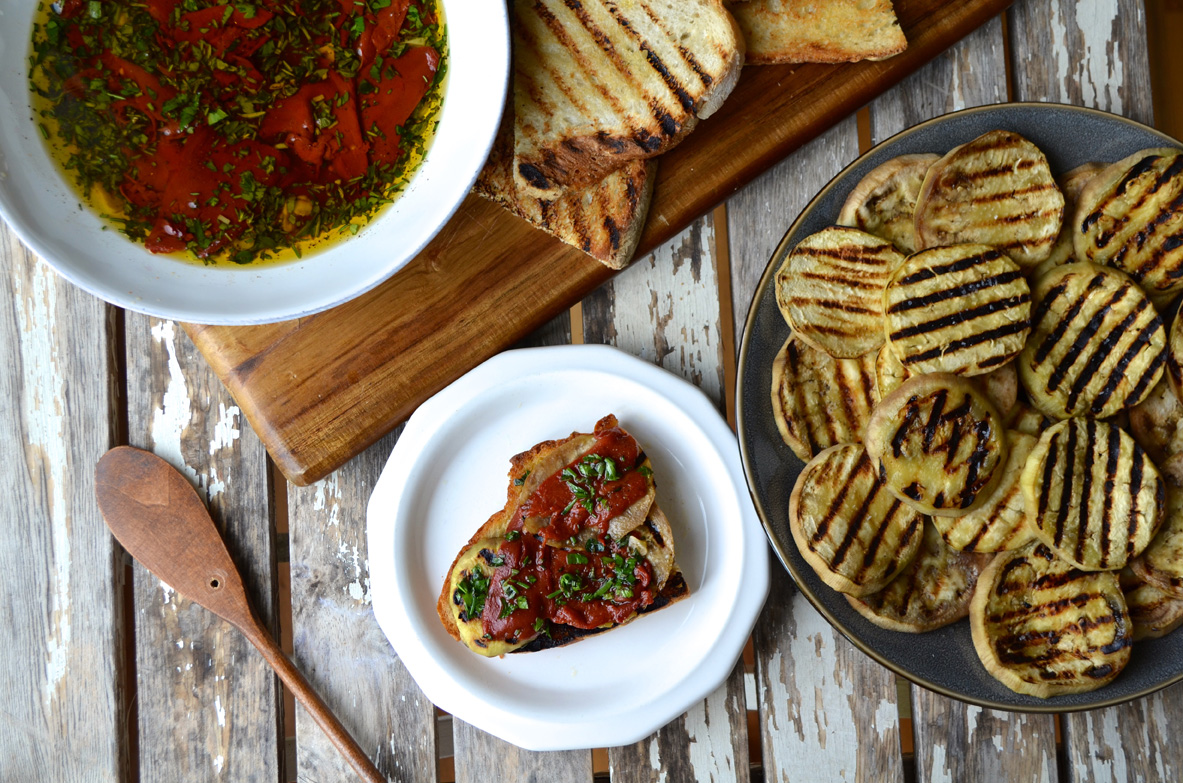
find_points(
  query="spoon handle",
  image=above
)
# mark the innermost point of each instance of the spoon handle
(315, 706)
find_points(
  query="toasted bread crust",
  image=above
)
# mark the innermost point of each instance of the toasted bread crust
(597, 84)
(604, 219)
(825, 31)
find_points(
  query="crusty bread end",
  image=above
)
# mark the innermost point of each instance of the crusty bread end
(818, 31)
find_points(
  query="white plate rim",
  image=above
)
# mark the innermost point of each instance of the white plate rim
(556, 728)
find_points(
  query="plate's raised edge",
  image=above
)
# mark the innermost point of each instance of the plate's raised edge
(753, 582)
(740, 417)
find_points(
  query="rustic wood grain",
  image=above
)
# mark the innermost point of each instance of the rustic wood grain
(321, 389)
(824, 706)
(208, 703)
(337, 640)
(1095, 55)
(1088, 54)
(665, 309)
(481, 758)
(953, 740)
(62, 709)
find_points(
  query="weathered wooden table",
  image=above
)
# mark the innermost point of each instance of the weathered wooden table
(111, 676)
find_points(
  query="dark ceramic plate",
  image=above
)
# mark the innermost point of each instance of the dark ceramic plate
(943, 660)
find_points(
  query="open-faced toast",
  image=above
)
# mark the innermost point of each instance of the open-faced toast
(579, 547)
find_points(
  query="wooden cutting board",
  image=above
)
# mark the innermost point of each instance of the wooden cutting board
(320, 389)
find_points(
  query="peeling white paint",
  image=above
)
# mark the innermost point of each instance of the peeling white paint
(887, 718)
(226, 431)
(655, 761)
(219, 763)
(1103, 69)
(220, 710)
(328, 496)
(711, 744)
(170, 421)
(939, 771)
(43, 403)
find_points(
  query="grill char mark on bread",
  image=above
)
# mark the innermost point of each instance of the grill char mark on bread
(598, 83)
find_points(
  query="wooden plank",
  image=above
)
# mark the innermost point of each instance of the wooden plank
(824, 706)
(481, 757)
(209, 707)
(321, 389)
(337, 641)
(62, 710)
(1098, 58)
(665, 309)
(953, 740)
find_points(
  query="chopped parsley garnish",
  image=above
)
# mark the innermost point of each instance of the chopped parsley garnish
(472, 591)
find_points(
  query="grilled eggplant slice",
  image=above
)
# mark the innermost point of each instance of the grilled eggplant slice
(1001, 522)
(1071, 184)
(1161, 565)
(830, 290)
(1092, 495)
(854, 533)
(1130, 216)
(937, 443)
(934, 590)
(883, 203)
(1157, 423)
(1044, 628)
(963, 309)
(1097, 345)
(1153, 613)
(819, 401)
(996, 190)
(1001, 385)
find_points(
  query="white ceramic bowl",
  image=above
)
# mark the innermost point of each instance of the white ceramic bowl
(44, 212)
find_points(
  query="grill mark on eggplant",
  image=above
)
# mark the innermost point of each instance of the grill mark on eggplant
(1137, 468)
(1112, 461)
(934, 418)
(1065, 320)
(1102, 353)
(1083, 337)
(829, 304)
(1117, 375)
(1086, 492)
(965, 289)
(844, 281)
(949, 267)
(911, 411)
(871, 256)
(1066, 488)
(823, 524)
(968, 342)
(953, 319)
(977, 457)
(1143, 384)
(852, 529)
(1049, 466)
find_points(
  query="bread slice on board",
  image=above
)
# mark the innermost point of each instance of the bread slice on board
(818, 31)
(598, 83)
(604, 219)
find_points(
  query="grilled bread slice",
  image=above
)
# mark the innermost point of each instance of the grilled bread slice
(1157, 423)
(531, 576)
(819, 401)
(1161, 565)
(830, 290)
(996, 190)
(1130, 216)
(1096, 344)
(938, 444)
(1044, 628)
(1092, 495)
(1071, 184)
(963, 309)
(883, 203)
(598, 83)
(854, 533)
(820, 31)
(1000, 385)
(604, 219)
(932, 591)
(1001, 522)
(1153, 613)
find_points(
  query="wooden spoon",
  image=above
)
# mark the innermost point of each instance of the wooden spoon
(157, 516)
